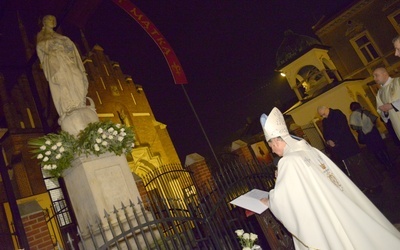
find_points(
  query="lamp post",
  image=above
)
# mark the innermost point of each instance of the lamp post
(19, 227)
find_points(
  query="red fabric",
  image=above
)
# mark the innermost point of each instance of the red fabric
(169, 54)
(249, 213)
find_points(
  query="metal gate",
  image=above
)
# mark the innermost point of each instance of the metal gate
(175, 215)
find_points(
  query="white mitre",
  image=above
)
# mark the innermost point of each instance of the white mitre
(274, 126)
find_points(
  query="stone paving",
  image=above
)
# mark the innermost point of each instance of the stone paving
(387, 200)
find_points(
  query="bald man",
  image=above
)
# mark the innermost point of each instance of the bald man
(388, 98)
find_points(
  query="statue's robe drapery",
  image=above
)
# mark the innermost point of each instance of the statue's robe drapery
(63, 68)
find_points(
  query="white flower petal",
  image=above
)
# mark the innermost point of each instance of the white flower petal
(239, 232)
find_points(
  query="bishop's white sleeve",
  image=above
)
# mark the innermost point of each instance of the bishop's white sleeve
(396, 105)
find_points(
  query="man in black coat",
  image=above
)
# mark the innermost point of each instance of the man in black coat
(345, 150)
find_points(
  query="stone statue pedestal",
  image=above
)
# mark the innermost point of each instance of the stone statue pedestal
(96, 184)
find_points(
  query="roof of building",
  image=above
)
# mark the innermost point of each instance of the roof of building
(293, 46)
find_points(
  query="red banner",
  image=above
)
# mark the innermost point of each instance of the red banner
(169, 55)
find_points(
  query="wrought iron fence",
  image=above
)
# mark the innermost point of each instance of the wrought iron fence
(190, 220)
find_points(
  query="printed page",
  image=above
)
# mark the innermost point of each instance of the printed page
(251, 201)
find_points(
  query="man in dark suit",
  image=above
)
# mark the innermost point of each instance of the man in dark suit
(345, 150)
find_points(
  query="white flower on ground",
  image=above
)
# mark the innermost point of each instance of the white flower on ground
(45, 159)
(122, 133)
(239, 232)
(104, 136)
(40, 156)
(53, 166)
(98, 140)
(46, 167)
(100, 130)
(62, 149)
(59, 144)
(110, 137)
(48, 152)
(247, 240)
(58, 156)
(118, 125)
(104, 143)
(120, 138)
(54, 147)
(110, 130)
(96, 147)
(43, 147)
(246, 248)
(115, 132)
(48, 142)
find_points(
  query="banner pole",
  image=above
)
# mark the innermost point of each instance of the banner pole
(201, 126)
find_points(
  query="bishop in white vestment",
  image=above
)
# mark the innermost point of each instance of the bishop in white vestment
(316, 202)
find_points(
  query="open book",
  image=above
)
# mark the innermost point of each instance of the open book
(251, 201)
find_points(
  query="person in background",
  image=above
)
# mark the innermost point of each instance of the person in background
(388, 98)
(363, 121)
(316, 202)
(345, 149)
(396, 44)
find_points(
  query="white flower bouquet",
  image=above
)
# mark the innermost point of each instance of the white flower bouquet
(101, 137)
(247, 240)
(56, 151)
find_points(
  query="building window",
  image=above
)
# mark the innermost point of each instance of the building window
(394, 19)
(58, 201)
(365, 48)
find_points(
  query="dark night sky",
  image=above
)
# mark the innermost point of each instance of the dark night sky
(227, 49)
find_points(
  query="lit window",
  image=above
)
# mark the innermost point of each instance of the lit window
(365, 48)
(60, 207)
(394, 18)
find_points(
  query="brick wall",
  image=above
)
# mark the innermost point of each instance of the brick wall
(244, 153)
(201, 174)
(37, 231)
